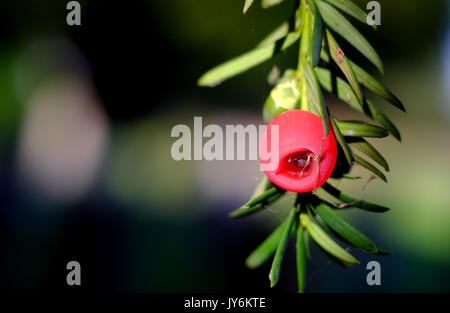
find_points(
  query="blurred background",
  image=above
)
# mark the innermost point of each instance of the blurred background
(86, 172)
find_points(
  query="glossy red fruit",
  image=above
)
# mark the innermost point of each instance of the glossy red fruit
(305, 158)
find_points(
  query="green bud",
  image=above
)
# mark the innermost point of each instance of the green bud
(284, 97)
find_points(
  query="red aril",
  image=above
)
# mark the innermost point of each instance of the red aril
(305, 157)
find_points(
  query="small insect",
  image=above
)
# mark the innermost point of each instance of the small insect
(302, 161)
(340, 55)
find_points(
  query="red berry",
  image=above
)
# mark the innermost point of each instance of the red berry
(302, 146)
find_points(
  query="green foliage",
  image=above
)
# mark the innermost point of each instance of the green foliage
(258, 202)
(341, 60)
(349, 201)
(316, 41)
(344, 28)
(246, 61)
(363, 146)
(265, 4)
(371, 83)
(274, 275)
(369, 166)
(322, 66)
(345, 229)
(315, 94)
(325, 241)
(341, 140)
(266, 249)
(360, 129)
(352, 9)
(247, 5)
(302, 256)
